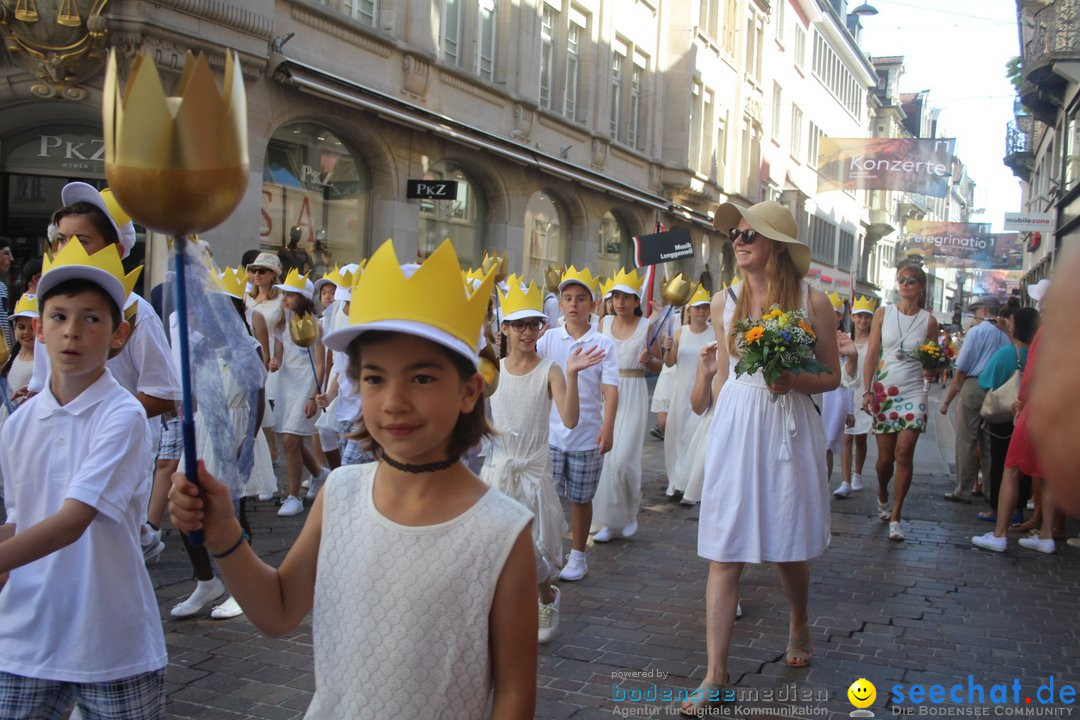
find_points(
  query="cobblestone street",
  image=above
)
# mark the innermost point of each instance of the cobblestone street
(930, 610)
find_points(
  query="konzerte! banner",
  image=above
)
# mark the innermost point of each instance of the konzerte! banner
(906, 164)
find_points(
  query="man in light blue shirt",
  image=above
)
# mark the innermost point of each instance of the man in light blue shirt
(980, 343)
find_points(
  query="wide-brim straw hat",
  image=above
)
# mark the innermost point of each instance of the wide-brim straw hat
(772, 220)
(1038, 291)
(267, 260)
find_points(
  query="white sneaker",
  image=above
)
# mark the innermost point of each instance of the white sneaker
(307, 483)
(630, 530)
(266, 496)
(206, 591)
(549, 618)
(884, 512)
(317, 483)
(856, 482)
(987, 541)
(291, 506)
(152, 544)
(605, 534)
(895, 533)
(1037, 543)
(576, 567)
(228, 609)
(738, 609)
(844, 491)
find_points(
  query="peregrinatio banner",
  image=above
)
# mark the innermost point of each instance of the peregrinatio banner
(907, 164)
(959, 245)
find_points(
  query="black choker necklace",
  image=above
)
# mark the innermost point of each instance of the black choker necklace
(417, 469)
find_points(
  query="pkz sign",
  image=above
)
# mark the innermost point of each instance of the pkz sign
(431, 189)
(55, 153)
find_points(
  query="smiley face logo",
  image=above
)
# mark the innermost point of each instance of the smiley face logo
(862, 693)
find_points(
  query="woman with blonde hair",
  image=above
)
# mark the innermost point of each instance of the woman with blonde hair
(766, 497)
(264, 312)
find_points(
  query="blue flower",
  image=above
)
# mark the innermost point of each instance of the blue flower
(786, 335)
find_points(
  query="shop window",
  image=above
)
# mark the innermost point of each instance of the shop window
(547, 235)
(461, 220)
(614, 246)
(313, 182)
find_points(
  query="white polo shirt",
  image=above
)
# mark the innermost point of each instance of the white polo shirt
(87, 612)
(556, 344)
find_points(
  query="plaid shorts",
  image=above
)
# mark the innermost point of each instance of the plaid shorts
(576, 473)
(351, 452)
(131, 698)
(171, 444)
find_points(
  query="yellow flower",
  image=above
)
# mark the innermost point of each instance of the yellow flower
(753, 334)
(772, 314)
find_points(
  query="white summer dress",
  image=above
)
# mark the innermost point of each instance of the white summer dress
(766, 496)
(899, 401)
(296, 385)
(618, 497)
(682, 421)
(271, 311)
(518, 463)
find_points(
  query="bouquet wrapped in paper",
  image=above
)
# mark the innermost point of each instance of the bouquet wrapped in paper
(931, 356)
(780, 341)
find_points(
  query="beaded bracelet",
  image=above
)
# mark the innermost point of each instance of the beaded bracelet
(231, 550)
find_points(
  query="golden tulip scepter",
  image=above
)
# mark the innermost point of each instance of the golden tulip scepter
(178, 165)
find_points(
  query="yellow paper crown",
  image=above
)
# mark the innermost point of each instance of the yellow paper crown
(837, 301)
(629, 279)
(605, 287)
(339, 278)
(583, 276)
(473, 276)
(864, 304)
(514, 279)
(433, 295)
(701, 295)
(296, 281)
(518, 298)
(27, 305)
(103, 267)
(233, 282)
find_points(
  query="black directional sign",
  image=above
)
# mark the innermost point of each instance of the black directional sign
(431, 189)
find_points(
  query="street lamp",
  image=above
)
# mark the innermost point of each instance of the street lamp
(865, 10)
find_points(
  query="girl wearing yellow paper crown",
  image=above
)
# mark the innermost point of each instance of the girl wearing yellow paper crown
(618, 496)
(836, 404)
(418, 575)
(297, 368)
(519, 462)
(853, 357)
(20, 365)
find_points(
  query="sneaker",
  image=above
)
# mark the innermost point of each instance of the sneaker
(657, 433)
(1030, 505)
(630, 530)
(953, 497)
(152, 544)
(266, 496)
(844, 491)
(307, 483)
(317, 483)
(738, 609)
(1073, 542)
(605, 534)
(895, 533)
(576, 567)
(987, 541)
(1037, 543)
(228, 609)
(206, 591)
(549, 618)
(856, 482)
(291, 506)
(884, 512)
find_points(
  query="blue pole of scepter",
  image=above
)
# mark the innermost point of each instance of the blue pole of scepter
(187, 425)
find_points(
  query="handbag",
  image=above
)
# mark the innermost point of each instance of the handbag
(997, 406)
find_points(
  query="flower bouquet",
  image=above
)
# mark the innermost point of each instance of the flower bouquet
(778, 342)
(932, 357)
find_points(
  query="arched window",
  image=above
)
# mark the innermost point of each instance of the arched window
(313, 183)
(546, 235)
(462, 219)
(615, 247)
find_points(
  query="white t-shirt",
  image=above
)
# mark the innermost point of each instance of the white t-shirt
(143, 366)
(556, 344)
(87, 612)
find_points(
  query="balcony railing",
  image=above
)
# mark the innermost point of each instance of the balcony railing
(1020, 146)
(1054, 38)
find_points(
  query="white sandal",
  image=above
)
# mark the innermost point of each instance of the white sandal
(895, 533)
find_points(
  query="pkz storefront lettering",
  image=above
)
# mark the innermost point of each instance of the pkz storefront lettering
(431, 189)
(54, 146)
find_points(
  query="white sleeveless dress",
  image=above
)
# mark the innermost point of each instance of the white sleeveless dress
(518, 463)
(271, 311)
(766, 496)
(693, 467)
(400, 623)
(899, 401)
(855, 384)
(618, 497)
(296, 385)
(682, 421)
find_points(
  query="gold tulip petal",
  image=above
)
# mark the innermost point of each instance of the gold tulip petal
(143, 139)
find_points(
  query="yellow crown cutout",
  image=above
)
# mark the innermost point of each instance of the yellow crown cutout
(605, 287)
(630, 279)
(865, 304)
(73, 254)
(472, 276)
(700, 295)
(296, 280)
(434, 295)
(583, 276)
(519, 298)
(341, 279)
(27, 304)
(233, 281)
(837, 301)
(514, 279)
(496, 262)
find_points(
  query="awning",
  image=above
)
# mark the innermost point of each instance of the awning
(322, 84)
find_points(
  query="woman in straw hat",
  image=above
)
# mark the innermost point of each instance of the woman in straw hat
(766, 497)
(263, 304)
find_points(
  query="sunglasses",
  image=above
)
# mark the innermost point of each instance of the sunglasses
(907, 281)
(259, 270)
(748, 236)
(535, 325)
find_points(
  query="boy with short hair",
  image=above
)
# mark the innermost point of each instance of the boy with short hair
(577, 455)
(80, 620)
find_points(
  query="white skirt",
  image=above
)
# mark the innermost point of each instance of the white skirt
(618, 497)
